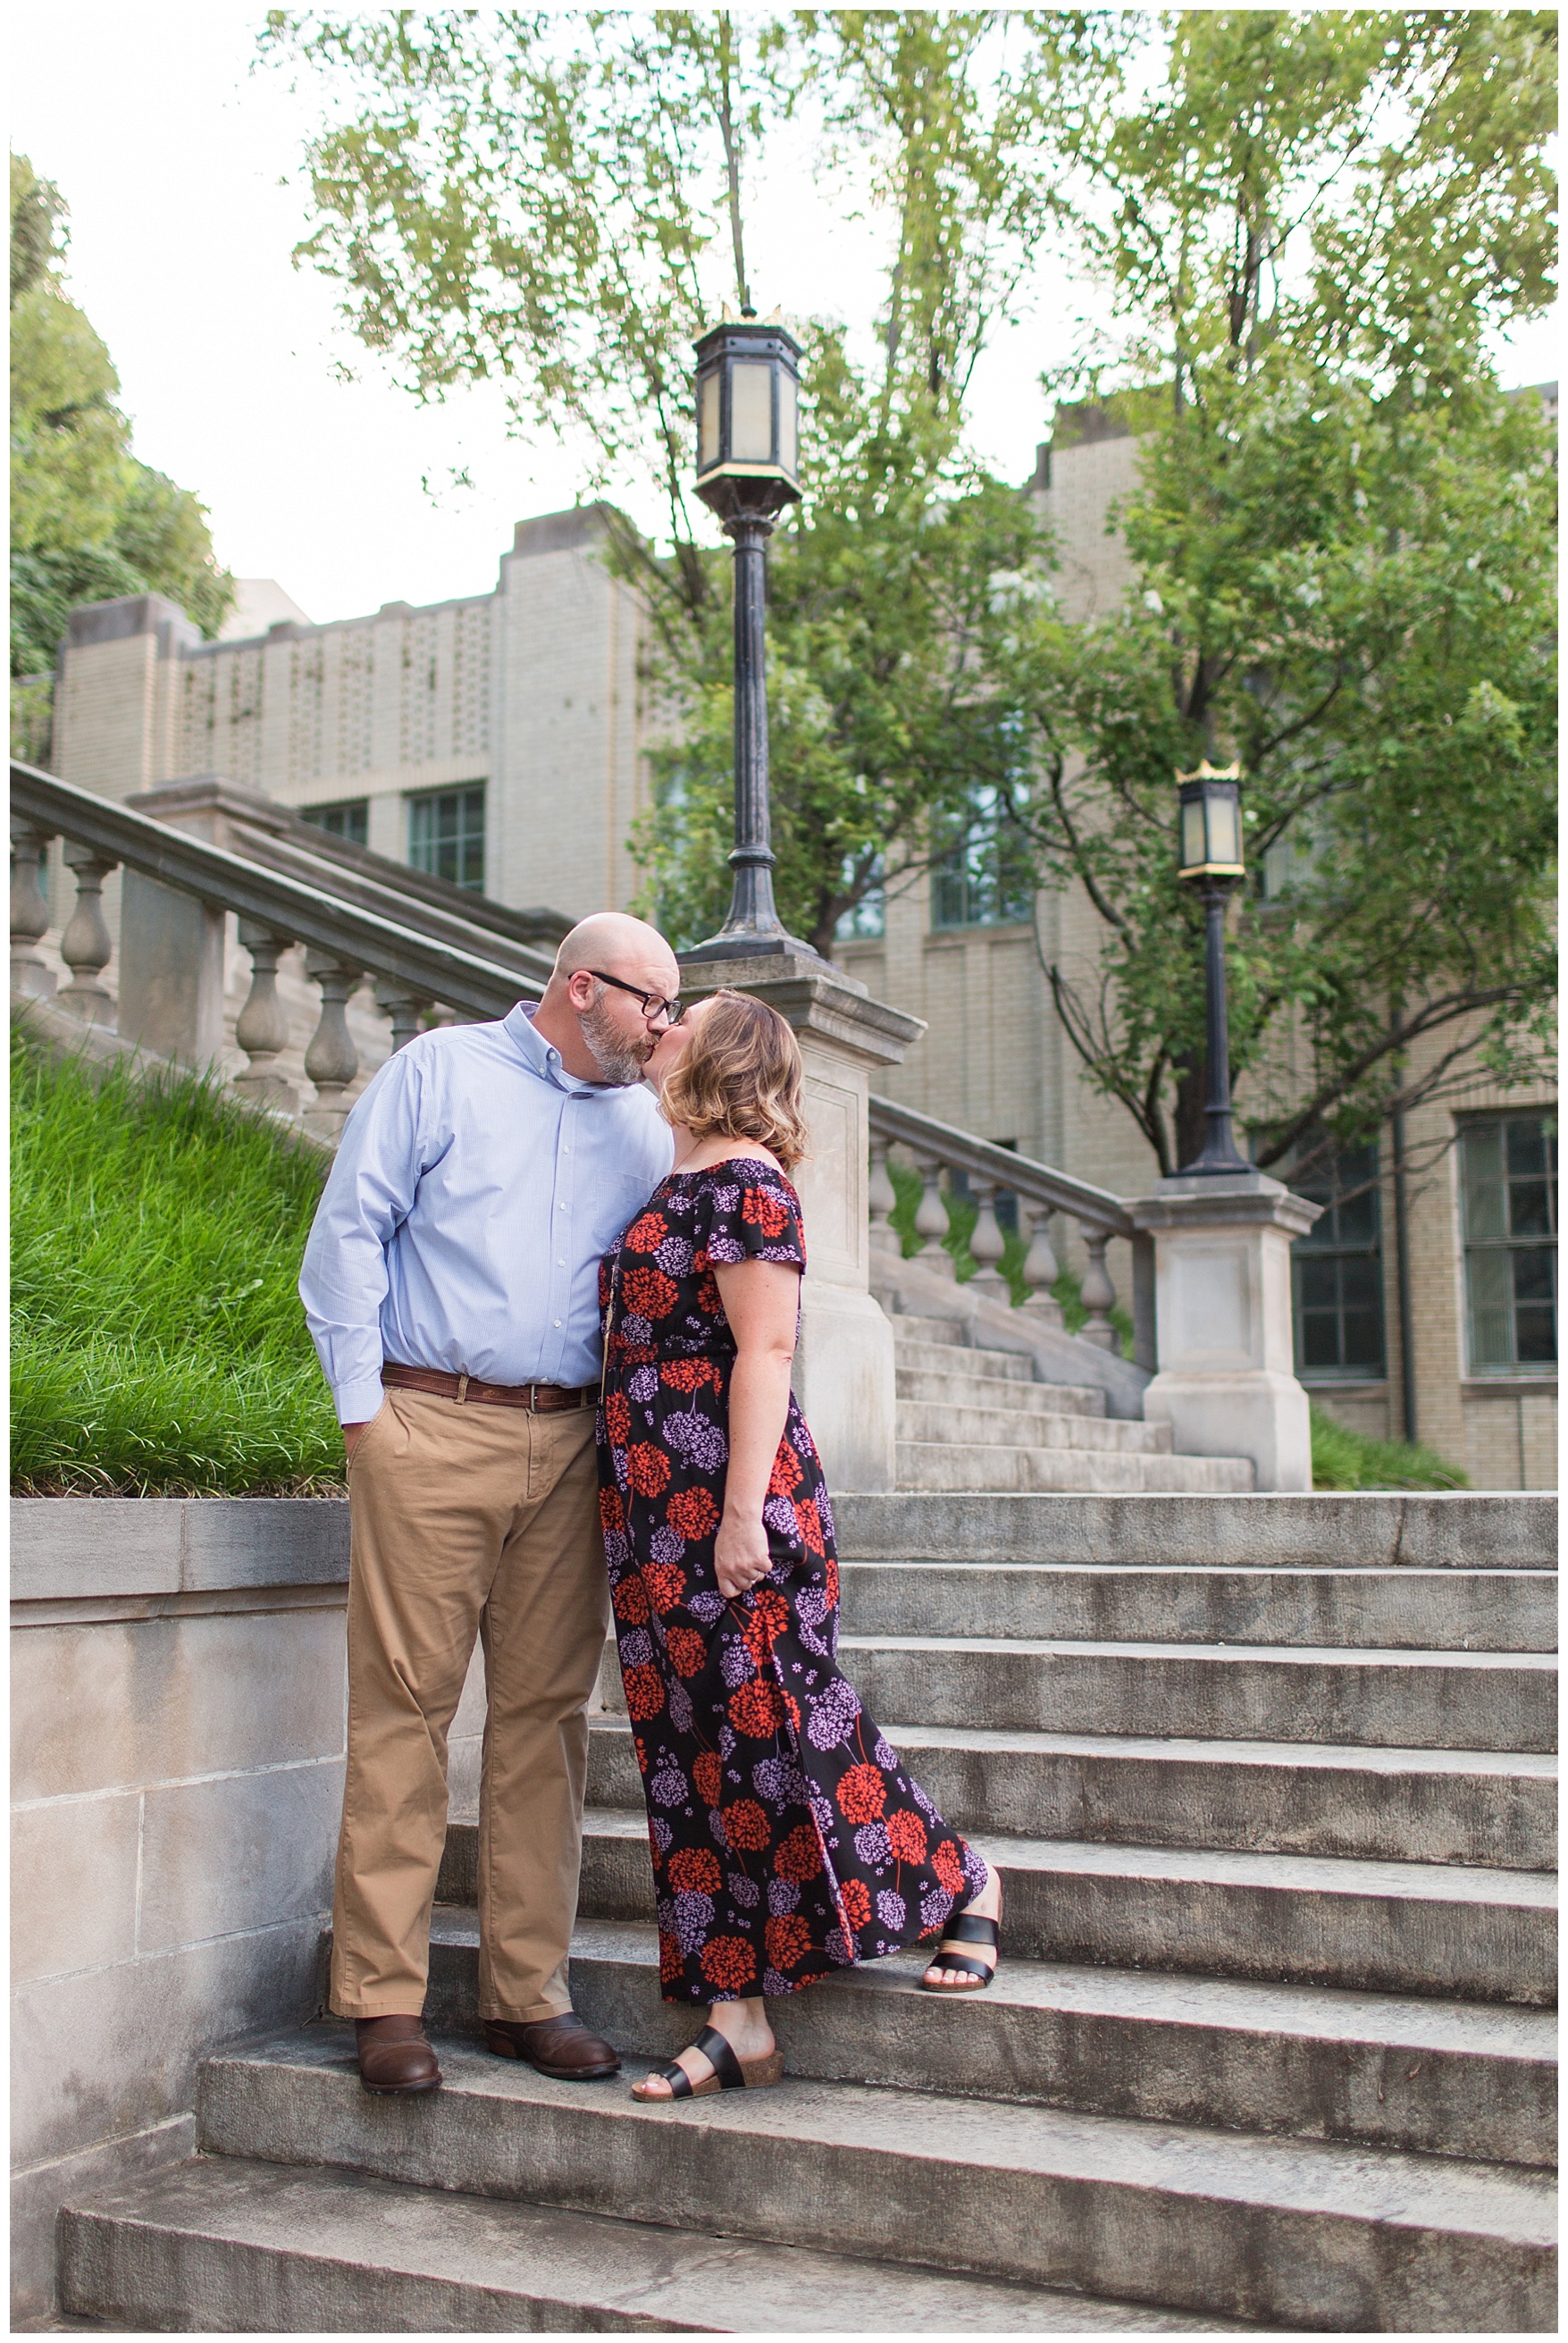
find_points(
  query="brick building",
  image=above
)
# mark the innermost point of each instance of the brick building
(497, 740)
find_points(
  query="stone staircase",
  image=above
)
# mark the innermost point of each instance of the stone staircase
(1269, 1781)
(976, 1419)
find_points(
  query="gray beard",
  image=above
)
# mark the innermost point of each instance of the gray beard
(617, 1060)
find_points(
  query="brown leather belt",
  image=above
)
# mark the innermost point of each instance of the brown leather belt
(539, 1399)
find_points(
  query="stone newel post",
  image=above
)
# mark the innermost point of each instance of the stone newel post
(1226, 1382)
(843, 1374)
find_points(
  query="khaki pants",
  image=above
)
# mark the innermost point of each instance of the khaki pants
(468, 1520)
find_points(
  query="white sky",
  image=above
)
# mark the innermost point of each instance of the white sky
(180, 167)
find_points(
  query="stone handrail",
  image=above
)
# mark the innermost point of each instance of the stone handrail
(937, 1147)
(416, 974)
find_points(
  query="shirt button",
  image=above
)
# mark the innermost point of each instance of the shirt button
(558, 1321)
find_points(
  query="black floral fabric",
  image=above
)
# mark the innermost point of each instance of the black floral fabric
(787, 1839)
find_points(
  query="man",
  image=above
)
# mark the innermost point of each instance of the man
(450, 1286)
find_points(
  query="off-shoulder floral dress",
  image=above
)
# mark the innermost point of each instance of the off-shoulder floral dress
(787, 1839)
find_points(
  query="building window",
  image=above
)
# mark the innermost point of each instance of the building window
(1337, 1272)
(987, 876)
(1509, 1177)
(446, 836)
(350, 821)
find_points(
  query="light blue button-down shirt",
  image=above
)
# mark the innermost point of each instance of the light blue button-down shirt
(475, 1188)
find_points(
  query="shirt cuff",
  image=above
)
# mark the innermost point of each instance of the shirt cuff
(357, 1403)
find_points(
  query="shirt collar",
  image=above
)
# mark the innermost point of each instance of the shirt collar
(541, 1057)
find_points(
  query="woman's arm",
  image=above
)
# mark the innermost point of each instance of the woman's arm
(761, 1299)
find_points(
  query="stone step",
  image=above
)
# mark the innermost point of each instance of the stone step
(926, 1354)
(232, 2244)
(1410, 1609)
(1211, 1692)
(1444, 2077)
(921, 1424)
(1392, 1805)
(1451, 1930)
(979, 1387)
(942, 1465)
(1363, 1529)
(1293, 2233)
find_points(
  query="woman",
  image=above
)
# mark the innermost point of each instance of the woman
(786, 1839)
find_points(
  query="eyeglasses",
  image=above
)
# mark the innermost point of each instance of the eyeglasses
(654, 1004)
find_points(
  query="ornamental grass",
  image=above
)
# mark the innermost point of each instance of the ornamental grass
(158, 1345)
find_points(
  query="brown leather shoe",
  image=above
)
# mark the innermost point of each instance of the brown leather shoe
(394, 2055)
(562, 2047)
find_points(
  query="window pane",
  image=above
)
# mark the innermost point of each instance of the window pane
(752, 411)
(1529, 1209)
(1537, 1336)
(1319, 1339)
(707, 422)
(1490, 1316)
(350, 820)
(446, 836)
(1526, 1148)
(1363, 1339)
(1360, 1284)
(1534, 1277)
(1320, 1284)
(1483, 1195)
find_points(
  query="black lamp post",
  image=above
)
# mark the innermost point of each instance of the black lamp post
(1210, 857)
(748, 385)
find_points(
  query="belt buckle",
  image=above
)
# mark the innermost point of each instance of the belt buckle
(533, 1399)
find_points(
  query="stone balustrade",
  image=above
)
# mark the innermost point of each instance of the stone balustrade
(443, 967)
(988, 1171)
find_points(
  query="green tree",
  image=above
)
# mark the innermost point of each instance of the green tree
(1342, 541)
(558, 203)
(88, 522)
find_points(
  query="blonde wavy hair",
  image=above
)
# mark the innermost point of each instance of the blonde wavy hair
(740, 1077)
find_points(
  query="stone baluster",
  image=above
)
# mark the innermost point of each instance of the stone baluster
(402, 1005)
(1097, 1293)
(85, 946)
(331, 1061)
(931, 1219)
(1041, 1271)
(987, 1245)
(30, 972)
(881, 1197)
(262, 1027)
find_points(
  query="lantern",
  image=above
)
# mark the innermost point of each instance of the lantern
(1210, 839)
(747, 392)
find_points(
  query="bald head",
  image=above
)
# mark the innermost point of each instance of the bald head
(605, 1032)
(624, 946)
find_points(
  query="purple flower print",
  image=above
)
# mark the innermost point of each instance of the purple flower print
(692, 1436)
(674, 1256)
(838, 1947)
(706, 1608)
(871, 1843)
(736, 1662)
(888, 1759)
(812, 1603)
(633, 1329)
(661, 1835)
(725, 1250)
(832, 1715)
(776, 1779)
(665, 1546)
(779, 1514)
(636, 1650)
(773, 1983)
(891, 1908)
(783, 1895)
(643, 1386)
(616, 1549)
(669, 1785)
(743, 1890)
(680, 1714)
(935, 1905)
(693, 1921)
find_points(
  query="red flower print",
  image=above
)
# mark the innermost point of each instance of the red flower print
(787, 1470)
(907, 1836)
(644, 1691)
(669, 1961)
(793, 1708)
(648, 1293)
(707, 1302)
(648, 1468)
(863, 1794)
(761, 1210)
(855, 1904)
(694, 1871)
(949, 1869)
(631, 1600)
(808, 1521)
(745, 1825)
(787, 1939)
(693, 1512)
(728, 1963)
(611, 1511)
(688, 1652)
(686, 1374)
(830, 1581)
(800, 1857)
(708, 1774)
(666, 1585)
(646, 1234)
(770, 1617)
(756, 1710)
(618, 1418)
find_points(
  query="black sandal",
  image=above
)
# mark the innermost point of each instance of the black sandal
(965, 1928)
(729, 2073)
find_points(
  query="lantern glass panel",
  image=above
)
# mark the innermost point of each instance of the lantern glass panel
(787, 394)
(1224, 842)
(750, 411)
(1192, 854)
(708, 421)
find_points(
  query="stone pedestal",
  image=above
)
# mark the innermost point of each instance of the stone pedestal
(843, 1374)
(172, 948)
(1226, 1382)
